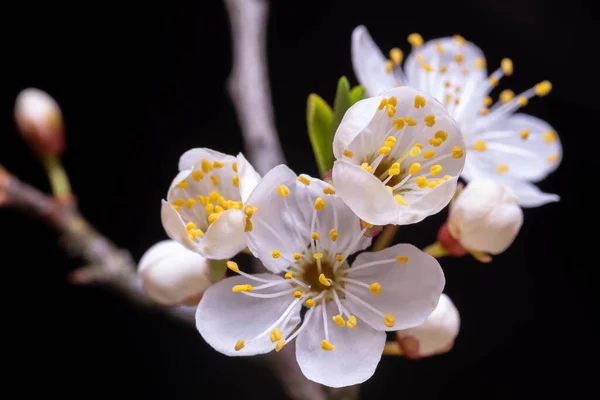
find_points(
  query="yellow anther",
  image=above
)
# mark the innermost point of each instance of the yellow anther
(396, 55)
(214, 180)
(459, 39)
(429, 120)
(309, 303)
(480, 63)
(239, 345)
(319, 203)
(182, 185)
(427, 67)
(351, 323)
(402, 259)
(507, 66)
(389, 66)
(400, 200)
(487, 101)
(493, 81)
(203, 200)
(288, 275)
(280, 345)
(506, 95)
(390, 139)
(297, 294)
(389, 320)
(465, 71)
(339, 320)
(443, 135)
(428, 154)
(232, 265)
(447, 177)
(410, 121)
(383, 103)
(234, 167)
(459, 58)
(214, 195)
(333, 235)
(314, 236)
(415, 151)
(443, 69)
(241, 288)
(303, 179)
(484, 111)
(195, 233)
(328, 190)
(275, 335)
(190, 225)
(435, 142)
(297, 256)
(394, 169)
(219, 209)
(213, 217)
(179, 202)
(439, 48)
(218, 164)
(553, 158)
(197, 175)
(375, 288)
(339, 257)
(318, 256)
(501, 168)
(543, 88)
(433, 184)
(419, 101)
(422, 182)
(385, 150)
(435, 169)
(235, 180)
(398, 123)
(248, 225)
(275, 254)
(524, 134)
(415, 39)
(325, 345)
(366, 167)
(414, 168)
(549, 137)
(249, 211)
(457, 152)
(479, 145)
(348, 153)
(523, 101)
(393, 101)
(324, 280)
(206, 165)
(283, 191)
(210, 208)
(456, 101)
(391, 111)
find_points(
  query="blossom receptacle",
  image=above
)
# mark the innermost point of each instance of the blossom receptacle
(40, 122)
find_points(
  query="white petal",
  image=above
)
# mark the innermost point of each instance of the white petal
(172, 274)
(436, 335)
(502, 225)
(353, 360)
(531, 159)
(224, 317)
(249, 178)
(225, 237)
(174, 225)
(409, 291)
(356, 119)
(369, 63)
(191, 158)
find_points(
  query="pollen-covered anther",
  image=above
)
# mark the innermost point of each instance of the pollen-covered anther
(297, 294)
(524, 133)
(319, 203)
(493, 81)
(389, 320)
(447, 177)
(414, 168)
(435, 169)
(429, 120)
(239, 345)
(328, 190)
(433, 184)
(422, 182)
(427, 67)
(367, 167)
(507, 66)
(288, 275)
(479, 145)
(394, 169)
(351, 323)
(484, 111)
(522, 100)
(409, 121)
(443, 69)
(375, 288)
(400, 200)
(402, 259)
(309, 303)
(461, 41)
(457, 152)
(435, 142)
(280, 345)
(333, 235)
(398, 123)
(235, 180)
(549, 137)
(275, 335)
(428, 154)
(323, 280)
(339, 320)
(389, 66)
(506, 95)
(283, 191)
(325, 345)
(419, 101)
(197, 175)
(385, 150)
(234, 167)
(348, 153)
(390, 141)
(314, 236)
(415, 151)
(241, 288)
(339, 257)
(396, 55)
(552, 158)
(232, 265)
(304, 180)
(182, 185)
(480, 63)
(415, 39)
(212, 218)
(297, 256)
(487, 101)
(543, 88)
(249, 211)
(459, 58)
(275, 254)
(501, 168)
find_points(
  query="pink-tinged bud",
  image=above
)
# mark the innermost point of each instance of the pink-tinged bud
(172, 275)
(40, 122)
(328, 176)
(449, 243)
(4, 182)
(434, 336)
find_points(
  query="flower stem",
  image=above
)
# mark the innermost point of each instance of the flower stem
(392, 349)
(436, 250)
(59, 181)
(386, 237)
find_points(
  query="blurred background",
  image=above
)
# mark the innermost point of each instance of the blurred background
(141, 83)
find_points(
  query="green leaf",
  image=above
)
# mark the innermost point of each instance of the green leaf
(319, 118)
(341, 102)
(357, 93)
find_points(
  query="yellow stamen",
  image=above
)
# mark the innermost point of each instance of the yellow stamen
(439, 48)
(283, 191)
(396, 55)
(239, 345)
(219, 209)
(197, 175)
(232, 265)
(549, 137)
(303, 179)
(351, 323)
(315, 236)
(398, 124)
(325, 345)
(275, 254)
(415, 39)
(182, 185)
(410, 121)
(414, 168)
(328, 190)
(385, 150)
(429, 120)
(443, 69)
(524, 134)
(506, 95)
(428, 154)
(339, 320)
(297, 294)
(366, 167)
(480, 63)
(402, 259)
(459, 58)
(389, 66)
(234, 167)
(501, 168)
(507, 66)
(236, 181)
(414, 151)
(488, 101)
(553, 158)
(333, 235)
(339, 257)
(241, 288)
(389, 320)
(441, 135)
(484, 111)
(280, 345)
(422, 182)
(210, 208)
(319, 203)
(543, 88)
(348, 153)
(419, 101)
(324, 280)
(375, 288)
(493, 81)
(288, 275)
(206, 165)
(400, 200)
(522, 100)
(479, 145)
(436, 169)
(433, 184)
(394, 169)
(459, 39)
(218, 164)
(309, 303)
(447, 177)
(214, 180)
(297, 256)
(275, 335)
(212, 218)
(457, 152)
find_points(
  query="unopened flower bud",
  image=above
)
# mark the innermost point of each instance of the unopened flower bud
(40, 121)
(172, 274)
(434, 336)
(485, 217)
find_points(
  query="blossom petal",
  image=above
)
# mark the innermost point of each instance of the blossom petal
(505, 221)
(410, 287)
(225, 237)
(353, 360)
(355, 121)
(528, 146)
(174, 225)
(248, 177)
(369, 63)
(191, 158)
(224, 317)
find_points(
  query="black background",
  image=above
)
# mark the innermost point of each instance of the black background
(141, 83)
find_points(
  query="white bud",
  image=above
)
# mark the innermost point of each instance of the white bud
(434, 336)
(485, 217)
(172, 274)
